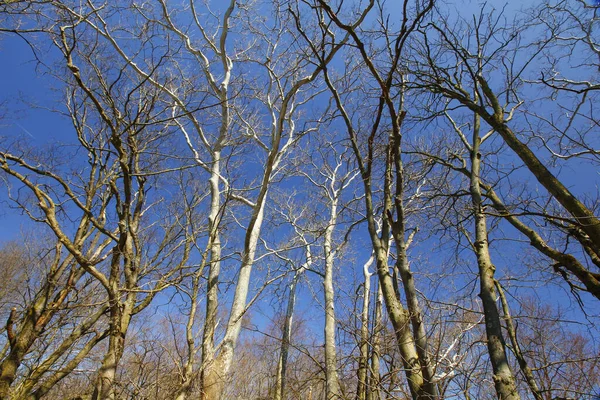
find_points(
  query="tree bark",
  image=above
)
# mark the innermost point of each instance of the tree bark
(207, 374)
(363, 360)
(375, 377)
(504, 380)
(332, 384)
(512, 334)
(286, 338)
(408, 282)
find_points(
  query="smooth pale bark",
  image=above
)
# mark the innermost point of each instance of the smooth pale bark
(363, 360)
(282, 123)
(503, 377)
(216, 375)
(208, 375)
(188, 367)
(331, 376)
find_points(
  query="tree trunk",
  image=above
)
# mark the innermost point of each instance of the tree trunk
(120, 318)
(398, 315)
(408, 282)
(512, 334)
(286, 338)
(216, 374)
(105, 383)
(207, 374)
(416, 318)
(504, 380)
(374, 380)
(19, 343)
(363, 361)
(331, 376)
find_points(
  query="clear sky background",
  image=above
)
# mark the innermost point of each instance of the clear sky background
(26, 84)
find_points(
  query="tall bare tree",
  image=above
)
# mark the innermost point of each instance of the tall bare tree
(415, 358)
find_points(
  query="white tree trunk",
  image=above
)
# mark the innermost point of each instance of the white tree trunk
(363, 361)
(331, 375)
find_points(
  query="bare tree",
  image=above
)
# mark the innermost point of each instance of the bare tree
(111, 205)
(37, 318)
(468, 82)
(415, 358)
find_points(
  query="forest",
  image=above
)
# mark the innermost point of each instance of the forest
(299, 199)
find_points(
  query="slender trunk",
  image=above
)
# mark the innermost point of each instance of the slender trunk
(286, 339)
(398, 315)
(209, 376)
(504, 380)
(419, 333)
(416, 316)
(361, 390)
(429, 389)
(216, 375)
(121, 311)
(400, 319)
(331, 376)
(186, 378)
(374, 379)
(512, 334)
(105, 383)
(120, 319)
